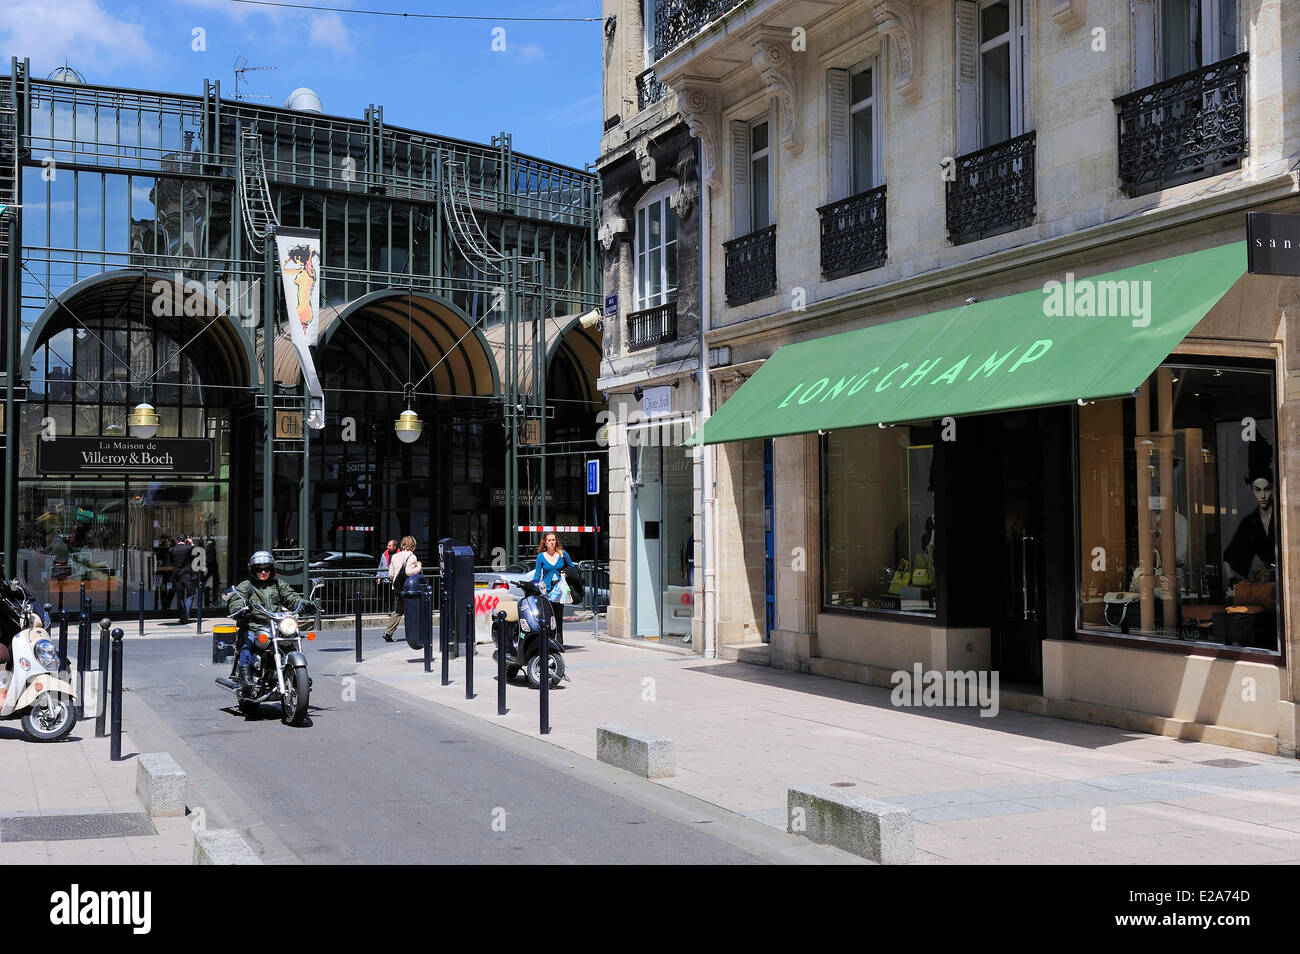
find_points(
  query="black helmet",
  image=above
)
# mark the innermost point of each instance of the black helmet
(262, 558)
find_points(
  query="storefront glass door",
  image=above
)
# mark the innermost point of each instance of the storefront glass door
(663, 538)
(1020, 615)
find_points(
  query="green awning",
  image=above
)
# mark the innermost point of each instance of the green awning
(1080, 338)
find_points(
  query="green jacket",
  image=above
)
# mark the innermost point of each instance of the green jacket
(275, 597)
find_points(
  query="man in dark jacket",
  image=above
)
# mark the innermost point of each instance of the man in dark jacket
(262, 594)
(183, 575)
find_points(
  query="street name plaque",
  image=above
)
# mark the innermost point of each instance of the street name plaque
(125, 455)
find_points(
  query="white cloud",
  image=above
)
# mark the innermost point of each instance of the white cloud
(329, 31)
(78, 31)
(578, 113)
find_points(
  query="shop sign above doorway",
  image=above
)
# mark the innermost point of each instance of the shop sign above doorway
(155, 457)
(656, 402)
(1273, 243)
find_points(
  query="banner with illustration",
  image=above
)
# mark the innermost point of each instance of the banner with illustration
(298, 252)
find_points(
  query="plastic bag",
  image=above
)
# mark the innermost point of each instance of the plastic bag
(560, 592)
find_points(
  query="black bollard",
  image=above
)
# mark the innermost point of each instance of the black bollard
(444, 640)
(499, 625)
(115, 746)
(142, 607)
(469, 650)
(198, 614)
(81, 600)
(63, 641)
(426, 615)
(101, 697)
(356, 603)
(83, 657)
(545, 674)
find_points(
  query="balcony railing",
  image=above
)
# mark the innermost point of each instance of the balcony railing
(648, 90)
(653, 326)
(853, 234)
(676, 21)
(751, 266)
(1188, 127)
(992, 191)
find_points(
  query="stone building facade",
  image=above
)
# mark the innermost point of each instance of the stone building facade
(874, 168)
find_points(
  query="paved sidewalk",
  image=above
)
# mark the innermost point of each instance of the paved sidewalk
(1015, 788)
(54, 794)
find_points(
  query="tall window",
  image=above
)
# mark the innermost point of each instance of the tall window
(656, 248)
(1001, 69)
(760, 208)
(1195, 33)
(862, 113)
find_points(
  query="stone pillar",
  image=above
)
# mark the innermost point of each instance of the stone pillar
(797, 504)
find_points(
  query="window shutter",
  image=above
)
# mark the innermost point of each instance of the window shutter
(740, 176)
(837, 103)
(1146, 43)
(968, 117)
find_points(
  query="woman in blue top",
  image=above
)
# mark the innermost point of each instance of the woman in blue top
(552, 561)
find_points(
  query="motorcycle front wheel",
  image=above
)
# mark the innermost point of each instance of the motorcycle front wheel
(50, 718)
(535, 670)
(297, 688)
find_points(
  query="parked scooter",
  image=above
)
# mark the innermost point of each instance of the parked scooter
(31, 686)
(525, 623)
(279, 667)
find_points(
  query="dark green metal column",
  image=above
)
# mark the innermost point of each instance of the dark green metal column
(12, 331)
(268, 392)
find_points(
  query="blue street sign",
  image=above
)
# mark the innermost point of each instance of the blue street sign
(593, 477)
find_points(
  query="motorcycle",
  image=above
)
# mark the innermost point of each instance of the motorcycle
(279, 667)
(525, 622)
(31, 686)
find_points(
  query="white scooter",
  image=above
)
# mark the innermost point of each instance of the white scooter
(31, 686)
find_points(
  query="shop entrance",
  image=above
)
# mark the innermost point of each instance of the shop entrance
(1017, 629)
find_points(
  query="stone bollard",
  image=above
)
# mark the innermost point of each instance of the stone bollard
(875, 830)
(160, 784)
(223, 846)
(640, 753)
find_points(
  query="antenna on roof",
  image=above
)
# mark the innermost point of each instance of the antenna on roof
(242, 67)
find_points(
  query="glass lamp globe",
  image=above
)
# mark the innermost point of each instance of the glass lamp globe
(143, 421)
(408, 426)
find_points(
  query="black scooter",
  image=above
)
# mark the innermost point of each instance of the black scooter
(525, 622)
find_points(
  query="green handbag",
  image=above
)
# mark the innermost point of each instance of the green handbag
(923, 575)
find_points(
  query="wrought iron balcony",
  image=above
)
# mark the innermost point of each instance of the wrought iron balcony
(648, 90)
(1188, 127)
(676, 21)
(853, 234)
(653, 326)
(751, 266)
(992, 191)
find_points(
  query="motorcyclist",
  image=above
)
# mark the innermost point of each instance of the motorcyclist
(257, 597)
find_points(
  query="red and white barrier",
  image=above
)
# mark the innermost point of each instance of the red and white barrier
(532, 529)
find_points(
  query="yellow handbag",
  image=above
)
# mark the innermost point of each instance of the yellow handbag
(923, 575)
(902, 578)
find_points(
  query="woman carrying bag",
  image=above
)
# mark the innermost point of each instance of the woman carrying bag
(552, 561)
(403, 565)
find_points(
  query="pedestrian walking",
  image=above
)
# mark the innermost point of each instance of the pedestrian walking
(384, 585)
(183, 576)
(552, 561)
(401, 567)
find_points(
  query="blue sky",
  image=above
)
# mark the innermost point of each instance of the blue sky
(433, 75)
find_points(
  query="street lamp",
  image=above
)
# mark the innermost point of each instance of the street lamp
(143, 421)
(408, 426)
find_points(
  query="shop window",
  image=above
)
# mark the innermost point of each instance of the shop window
(991, 48)
(878, 519)
(1178, 513)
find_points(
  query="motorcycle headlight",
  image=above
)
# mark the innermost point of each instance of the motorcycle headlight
(46, 654)
(288, 626)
